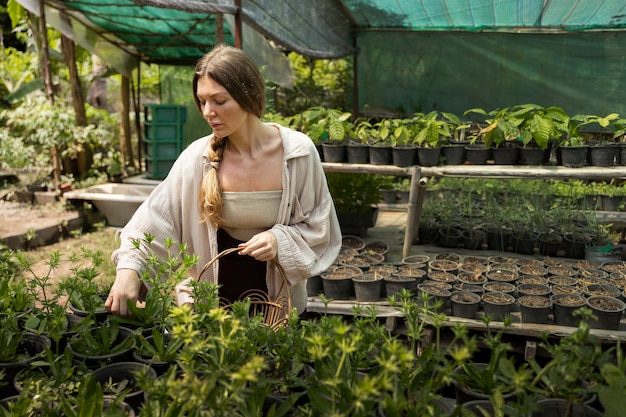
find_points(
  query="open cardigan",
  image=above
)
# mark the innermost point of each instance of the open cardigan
(307, 230)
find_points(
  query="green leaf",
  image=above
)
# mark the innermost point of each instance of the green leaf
(16, 12)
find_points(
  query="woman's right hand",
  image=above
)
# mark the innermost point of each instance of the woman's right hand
(125, 288)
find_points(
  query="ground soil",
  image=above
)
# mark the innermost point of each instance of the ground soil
(19, 218)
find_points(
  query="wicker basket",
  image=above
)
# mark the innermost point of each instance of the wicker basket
(275, 311)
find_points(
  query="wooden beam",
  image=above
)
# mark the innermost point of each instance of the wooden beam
(219, 28)
(125, 142)
(238, 26)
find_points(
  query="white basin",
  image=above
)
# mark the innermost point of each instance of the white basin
(117, 202)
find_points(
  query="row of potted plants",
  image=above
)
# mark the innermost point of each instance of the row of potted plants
(212, 360)
(521, 134)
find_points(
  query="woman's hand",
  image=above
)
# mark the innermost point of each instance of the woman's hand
(126, 288)
(262, 247)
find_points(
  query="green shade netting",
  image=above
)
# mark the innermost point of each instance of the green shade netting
(455, 71)
(476, 15)
(154, 34)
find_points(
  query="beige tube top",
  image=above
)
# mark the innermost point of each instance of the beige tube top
(245, 214)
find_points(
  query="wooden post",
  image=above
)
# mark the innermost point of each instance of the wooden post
(411, 220)
(238, 26)
(69, 54)
(125, 142)
(136, 104)
(47, 76)
(219, 28)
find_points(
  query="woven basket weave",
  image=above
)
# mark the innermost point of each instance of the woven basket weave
(275, 311)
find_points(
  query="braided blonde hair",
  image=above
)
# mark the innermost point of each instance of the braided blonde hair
(239, 75)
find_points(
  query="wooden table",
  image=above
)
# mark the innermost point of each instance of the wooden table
(420, 174)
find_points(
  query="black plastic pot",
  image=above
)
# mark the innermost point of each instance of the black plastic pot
(574, 244)
(464, 304)
(563, 312)
(477, 154)
(557, 407)
(608, 312)
(32, 345)
(450, 237)
(550, 243)
(404, 155)
(505, 155)
(394, 285)
(497, 310)
(574, 156)
(525, 242)
(473, 239)
(390, 196)
(532, 310)
(314, 286)
(94, 361)
(338, 289)
(334, 152)
(428, 157)
(499, 239)
(380, 155)
(453, 154)
(603, 155)
(367, 290)
(357, 153)
(428, 233)
(117, 372)
(439, 298)
(529, 155)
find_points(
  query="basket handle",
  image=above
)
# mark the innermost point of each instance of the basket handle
(283, 275)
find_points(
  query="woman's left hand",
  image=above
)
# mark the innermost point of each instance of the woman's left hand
(262, 247)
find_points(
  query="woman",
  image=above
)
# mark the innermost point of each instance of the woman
(253, 185)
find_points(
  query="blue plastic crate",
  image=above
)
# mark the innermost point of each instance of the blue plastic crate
(161, 150)
(163, 132)
(165, 113)
(157, 169)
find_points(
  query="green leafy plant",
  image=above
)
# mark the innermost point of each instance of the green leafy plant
(540, 124)
(160, 347)
(103, 339)
(354, 193)
(327, 125)
(430, 129)
(502, 126)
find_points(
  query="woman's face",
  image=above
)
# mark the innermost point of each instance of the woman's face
(219, 108)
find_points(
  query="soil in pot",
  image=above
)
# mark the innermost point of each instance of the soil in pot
(503, 266)
(533, 289)
(442, 276)
(472, 267)
(501, 276)
(464, 304)
(531, 279)
(533, 270)
(439, 298)
(416, 259)
(365, 261)
(411, 271)
(561, 270)
(377, 247)
(383, 270)
(461, 286)
(566, 289)
(562, 280)
(338, 282)
(504, 287)
(443, 265)
(535, 309)
(352, 242)
(608, 312)
(448, 256)
(564, 307)
(604, 290)
(614, 266)
(476, 278)
(497, 305)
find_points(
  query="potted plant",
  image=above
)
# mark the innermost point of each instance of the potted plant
(330, 127)
(403, 150)
(355, 197)
(501, 134)
(428, 131)
(358, 146)
(380, 143)
(539, 127)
